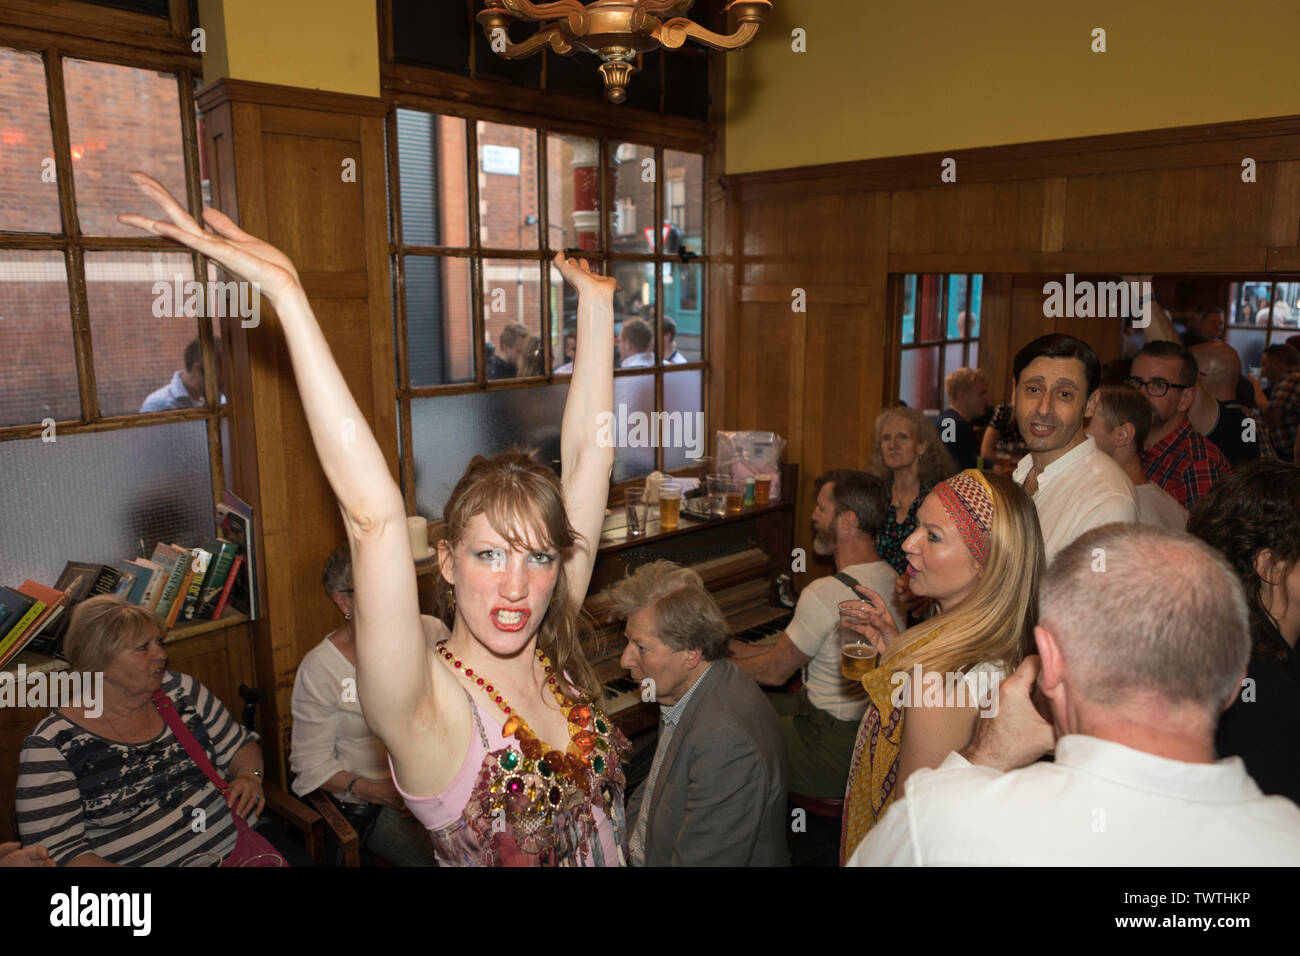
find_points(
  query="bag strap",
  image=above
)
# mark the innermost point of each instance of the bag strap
(849, 581)
(182, 733)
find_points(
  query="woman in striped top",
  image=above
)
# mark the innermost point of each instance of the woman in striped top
(111, 785)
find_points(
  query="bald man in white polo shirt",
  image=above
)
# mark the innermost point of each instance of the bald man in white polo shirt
(1135, 781)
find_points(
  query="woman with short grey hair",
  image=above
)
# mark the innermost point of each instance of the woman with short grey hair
(335, 750)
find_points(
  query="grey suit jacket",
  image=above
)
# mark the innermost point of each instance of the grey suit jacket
(720, 797)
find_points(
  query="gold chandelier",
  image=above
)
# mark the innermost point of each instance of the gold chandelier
(614, 30)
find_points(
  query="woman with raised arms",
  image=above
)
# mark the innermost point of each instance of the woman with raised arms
(493, 732)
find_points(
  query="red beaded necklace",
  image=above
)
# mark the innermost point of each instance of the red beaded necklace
(582, 739)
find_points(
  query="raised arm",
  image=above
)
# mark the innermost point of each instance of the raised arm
(393, 677)
(587, 463)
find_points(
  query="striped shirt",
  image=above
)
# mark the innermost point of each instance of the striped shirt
(132, 804)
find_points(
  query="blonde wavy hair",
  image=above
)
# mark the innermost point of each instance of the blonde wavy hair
(520, 497)
(996, 621)
(935, 463)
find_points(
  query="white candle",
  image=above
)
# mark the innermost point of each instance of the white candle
(418, 529)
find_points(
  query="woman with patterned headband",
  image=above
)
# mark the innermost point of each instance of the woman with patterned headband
(978, 552)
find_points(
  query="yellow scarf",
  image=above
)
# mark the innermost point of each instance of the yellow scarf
(873, 773)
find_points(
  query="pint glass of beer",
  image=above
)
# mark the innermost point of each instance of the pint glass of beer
(857, 655)
(670, 503)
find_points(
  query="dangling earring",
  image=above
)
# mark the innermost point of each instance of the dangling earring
(347, 617)
(451, 601)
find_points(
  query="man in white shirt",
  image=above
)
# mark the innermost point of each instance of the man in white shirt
(636, 344)
(1120, 427)
(820, 723)
(671, 355)
(1074, 485)
(1135, 781)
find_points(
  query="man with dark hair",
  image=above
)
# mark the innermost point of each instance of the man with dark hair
(1075, 486)
(671, 355)
(1120, 426)
(504, 362)
(1276, 363)
(1176, 458)
(1214, 411)
(967, 390)
(636, 344)
(820, 723)
(716, 793)
(185, 390)
(1135, 780)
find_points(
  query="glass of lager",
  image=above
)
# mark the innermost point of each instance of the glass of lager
(857, 654)
(670, 503)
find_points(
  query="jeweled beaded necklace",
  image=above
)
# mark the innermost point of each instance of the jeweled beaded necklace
(572, 765)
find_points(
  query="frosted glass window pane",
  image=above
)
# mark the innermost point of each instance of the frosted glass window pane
(633, 395)
(40, 378)
(97, 496)
(683, 393)
(121, 119)
(29, 201)
(448, 430)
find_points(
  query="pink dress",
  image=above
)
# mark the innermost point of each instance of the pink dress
(503, 809)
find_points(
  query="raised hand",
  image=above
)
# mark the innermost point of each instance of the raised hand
(246, 256)
(870, 618)
(578, 274)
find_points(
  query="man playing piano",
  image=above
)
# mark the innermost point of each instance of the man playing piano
(820, 723)
(716, 793)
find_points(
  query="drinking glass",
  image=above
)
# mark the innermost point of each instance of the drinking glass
(670, 503)
(857, 655)
(634, 501)
(719, 486)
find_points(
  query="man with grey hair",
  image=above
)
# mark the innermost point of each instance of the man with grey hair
(717, 788)
(1143, 641)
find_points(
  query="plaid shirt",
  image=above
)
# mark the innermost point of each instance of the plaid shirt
(1184, 464)
(1283, 416)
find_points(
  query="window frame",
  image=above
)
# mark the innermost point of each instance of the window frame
(543, 127)
(167, 50)
(941, 344)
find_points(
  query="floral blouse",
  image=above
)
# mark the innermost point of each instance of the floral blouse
(889, 545)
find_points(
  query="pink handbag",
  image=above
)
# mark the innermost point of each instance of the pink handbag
(248, 843)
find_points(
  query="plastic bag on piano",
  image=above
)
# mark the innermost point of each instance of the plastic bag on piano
(742, 454)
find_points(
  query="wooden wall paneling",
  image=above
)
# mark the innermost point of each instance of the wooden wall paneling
(995, 353)
(372, 180)
(1283, 227)
(289, 148)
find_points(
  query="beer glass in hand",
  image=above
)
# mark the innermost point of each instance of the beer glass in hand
(866, 628)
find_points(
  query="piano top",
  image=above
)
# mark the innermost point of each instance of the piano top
(614, 536)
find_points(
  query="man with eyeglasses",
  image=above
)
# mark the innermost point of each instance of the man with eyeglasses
(1176, 458)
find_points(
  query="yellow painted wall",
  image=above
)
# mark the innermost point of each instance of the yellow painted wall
(313, 44)
(893, 77)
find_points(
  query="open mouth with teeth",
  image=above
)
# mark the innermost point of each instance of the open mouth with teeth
(509, 619)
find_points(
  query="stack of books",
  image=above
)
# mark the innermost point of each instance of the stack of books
(178, 583)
